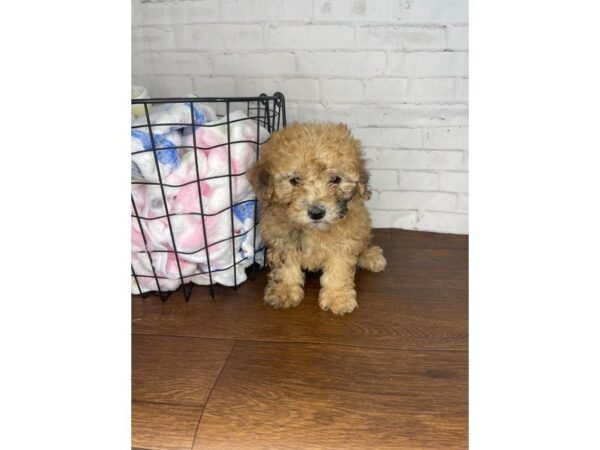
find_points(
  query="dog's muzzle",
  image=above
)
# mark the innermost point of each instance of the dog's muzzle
(316, 212)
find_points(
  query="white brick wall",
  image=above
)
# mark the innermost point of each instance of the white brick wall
(396, 71)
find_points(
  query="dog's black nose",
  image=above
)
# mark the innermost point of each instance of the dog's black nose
(316, 212)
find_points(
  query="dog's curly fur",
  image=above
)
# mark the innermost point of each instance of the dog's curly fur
(305, 170)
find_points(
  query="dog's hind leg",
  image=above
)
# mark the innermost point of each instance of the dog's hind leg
(372, 259)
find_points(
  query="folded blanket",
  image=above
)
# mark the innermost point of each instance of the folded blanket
(244, 212)
(212, 138)
(167, 117)
(168, 137)
(224, 277)
(188, 175)
(138, 195)
(140, 263)
(143, 164)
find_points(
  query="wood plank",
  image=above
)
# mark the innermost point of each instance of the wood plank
(290, 396)
(176, 369)
(421, 269)
(163, 427)
(422, 239)
(420, 301)
(382, 237)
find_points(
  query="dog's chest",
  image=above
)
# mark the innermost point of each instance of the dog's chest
(310, 251)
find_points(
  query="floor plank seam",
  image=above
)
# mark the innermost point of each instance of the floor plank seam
(210, 393)
(424, 349)
(151, 402)
(381, 377)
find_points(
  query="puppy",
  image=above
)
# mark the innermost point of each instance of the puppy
(312, 183)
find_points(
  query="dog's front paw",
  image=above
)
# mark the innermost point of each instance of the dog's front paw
(283, 296)
(338, 301)
(372, 259)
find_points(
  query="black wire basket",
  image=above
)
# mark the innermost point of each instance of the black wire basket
(194, 216)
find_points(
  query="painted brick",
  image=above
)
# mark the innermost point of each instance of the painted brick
(225, 64)
(424, 64)
(401, 38)
(356, 10)
(309, 36)
(267, 63)
(214, 87)
(251, 10)
(433, 11)
(419, 181)
(245, 64)
(462, 89)
(152, 38)
(394, 70)
(291, 112)
(143, 80)
(454, 181)
(256, 86)
(458, 37)
(373, 158)
(387, 89)
(170, 63)
(374, 200)
(384, 179)
(462, 203)
(384, 115)
(172, 86)
(301, 89)
(443, 222)
(446, 138)
(436, 90)
(297, 10)
(340, 63)
(416, 159)
(406, 220)
(227, 37)
(436, 201)
(145, 13)
(340, 90)
(389, 137)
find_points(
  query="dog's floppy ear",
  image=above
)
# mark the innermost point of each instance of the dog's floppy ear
(261, 181)
(363, 188)
(359, 165)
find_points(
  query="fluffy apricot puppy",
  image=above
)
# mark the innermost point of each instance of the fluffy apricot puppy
(311, 181)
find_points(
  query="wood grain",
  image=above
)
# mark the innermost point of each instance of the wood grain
(285, 395)
(411, 319)
(420, 301)
(383, 237)
(159, 427)
(393, 374)
(420, 239)
(176, 370)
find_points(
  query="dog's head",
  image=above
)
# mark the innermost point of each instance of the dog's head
(312, 171)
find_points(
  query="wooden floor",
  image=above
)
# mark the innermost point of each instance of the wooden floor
(232, 373)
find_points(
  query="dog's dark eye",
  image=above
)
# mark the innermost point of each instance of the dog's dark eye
(295, 181)
(335, 179)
